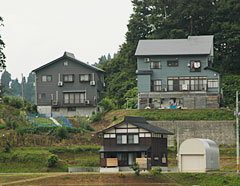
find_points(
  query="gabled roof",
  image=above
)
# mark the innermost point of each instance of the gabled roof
(141, 123)
(70, 56)
(193, 45)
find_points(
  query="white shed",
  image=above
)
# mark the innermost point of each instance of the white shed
(198, 155)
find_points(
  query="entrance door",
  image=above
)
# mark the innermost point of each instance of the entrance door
(175, 85)
(130, 158)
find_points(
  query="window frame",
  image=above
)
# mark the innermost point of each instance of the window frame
(155, 65)
(76, 96)
(212, 81)
(88, 75)
(46, 78)
(154, 86)
(119, 139)
(172, 61)
(68, 75)
(192, 68)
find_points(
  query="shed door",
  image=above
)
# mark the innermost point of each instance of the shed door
(193, 163)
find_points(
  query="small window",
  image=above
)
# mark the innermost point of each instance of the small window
(157, 85)
(121, 139)
(41, 96)
(68, 78)
(46, 78)
(213, 83)
(71, 108)
(195, 66)
(65, 63)
(155, 65)
(84, 77)
(130, 139)
(172, 63)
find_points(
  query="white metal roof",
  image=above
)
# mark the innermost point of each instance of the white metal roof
(193, 45)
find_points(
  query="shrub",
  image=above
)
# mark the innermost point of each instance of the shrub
(156, 171)
(2, 126)
(114, 118)
(7, 147)
(99, 116)
(61, 133)
(84, 124)
(52, 160)
(135, 167)
(107, 104)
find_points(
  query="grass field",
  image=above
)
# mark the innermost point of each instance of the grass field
(122, 179)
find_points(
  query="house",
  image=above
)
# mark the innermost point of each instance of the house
(69, 87)
(177, 73)
(134, 140)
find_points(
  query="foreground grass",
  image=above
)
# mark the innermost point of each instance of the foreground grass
(124, 179)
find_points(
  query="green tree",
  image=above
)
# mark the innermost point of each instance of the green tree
(5, 80)
(29, 90)
(16, 88)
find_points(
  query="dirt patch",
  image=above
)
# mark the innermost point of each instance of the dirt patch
(96, 179)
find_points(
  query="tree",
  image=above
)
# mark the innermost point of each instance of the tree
(2, 46)
(16, 88)
(5, 80)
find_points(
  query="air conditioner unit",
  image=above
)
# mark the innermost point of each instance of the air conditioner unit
(92, 83)
(147, 59)
(87, 102)
(54, 102)
(60, 83)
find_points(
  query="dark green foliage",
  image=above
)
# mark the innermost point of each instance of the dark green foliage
(107, 105)
(61, 133)
(135, 168)
(2, 46)
(97, 117)
(84, 124)
(114, 118)
(2, 126)
(230, 84)
(52, 160)
(7, 147)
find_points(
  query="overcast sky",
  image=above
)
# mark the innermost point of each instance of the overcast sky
(38, 31)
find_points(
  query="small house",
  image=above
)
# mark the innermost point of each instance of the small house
(134, 140)
(198, 155)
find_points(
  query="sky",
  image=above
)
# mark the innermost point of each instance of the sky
(36, 32)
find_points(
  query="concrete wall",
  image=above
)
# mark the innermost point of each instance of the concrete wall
(222, 132)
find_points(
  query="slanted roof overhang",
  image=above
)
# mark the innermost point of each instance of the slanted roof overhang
(125, 148)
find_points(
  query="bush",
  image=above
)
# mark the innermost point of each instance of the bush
(7, 147)
(2, 126)
(99, 116)
(156, 171)
(84, 124)
(135, 167)
(107, 104)
(52, 160)
(61, 133)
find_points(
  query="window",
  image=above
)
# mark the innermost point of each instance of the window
(157, 85)
(172, 63)
(46, 78)
(41, 96)
(195, 66)
(213, 83)
(155, 65)
(128, 139)
(65, 63)
(121, 139)
(187, 83)
(68, 78)
(84, 77)
(74, 98)
(71, 108)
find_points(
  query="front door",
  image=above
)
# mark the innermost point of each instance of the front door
(130, 158)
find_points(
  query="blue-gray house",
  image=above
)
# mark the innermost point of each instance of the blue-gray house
(175, 73)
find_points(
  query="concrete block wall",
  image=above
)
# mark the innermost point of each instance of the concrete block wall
(222, 132)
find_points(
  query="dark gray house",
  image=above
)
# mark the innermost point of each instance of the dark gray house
(176, 73)
(134, 140)
(67, 86)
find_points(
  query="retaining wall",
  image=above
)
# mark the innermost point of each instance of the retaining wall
(222, 132)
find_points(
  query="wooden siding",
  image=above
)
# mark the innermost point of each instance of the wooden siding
(159, 149)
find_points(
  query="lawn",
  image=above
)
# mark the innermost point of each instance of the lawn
(41, 120)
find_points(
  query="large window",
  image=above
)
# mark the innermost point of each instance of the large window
(74, 98)
(187, 83)
(213, 83)
(84, 77)
(46, 78)
(155, 65)
(127, 139)
(195, 66)
(68, 78)
(173, 63)
(156, 85)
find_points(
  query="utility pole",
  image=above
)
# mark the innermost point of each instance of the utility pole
(237, 131)
(22, 91)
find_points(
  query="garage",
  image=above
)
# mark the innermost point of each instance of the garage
(198, 155)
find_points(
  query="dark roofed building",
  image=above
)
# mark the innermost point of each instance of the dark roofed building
(67, 86)
(134, 140)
